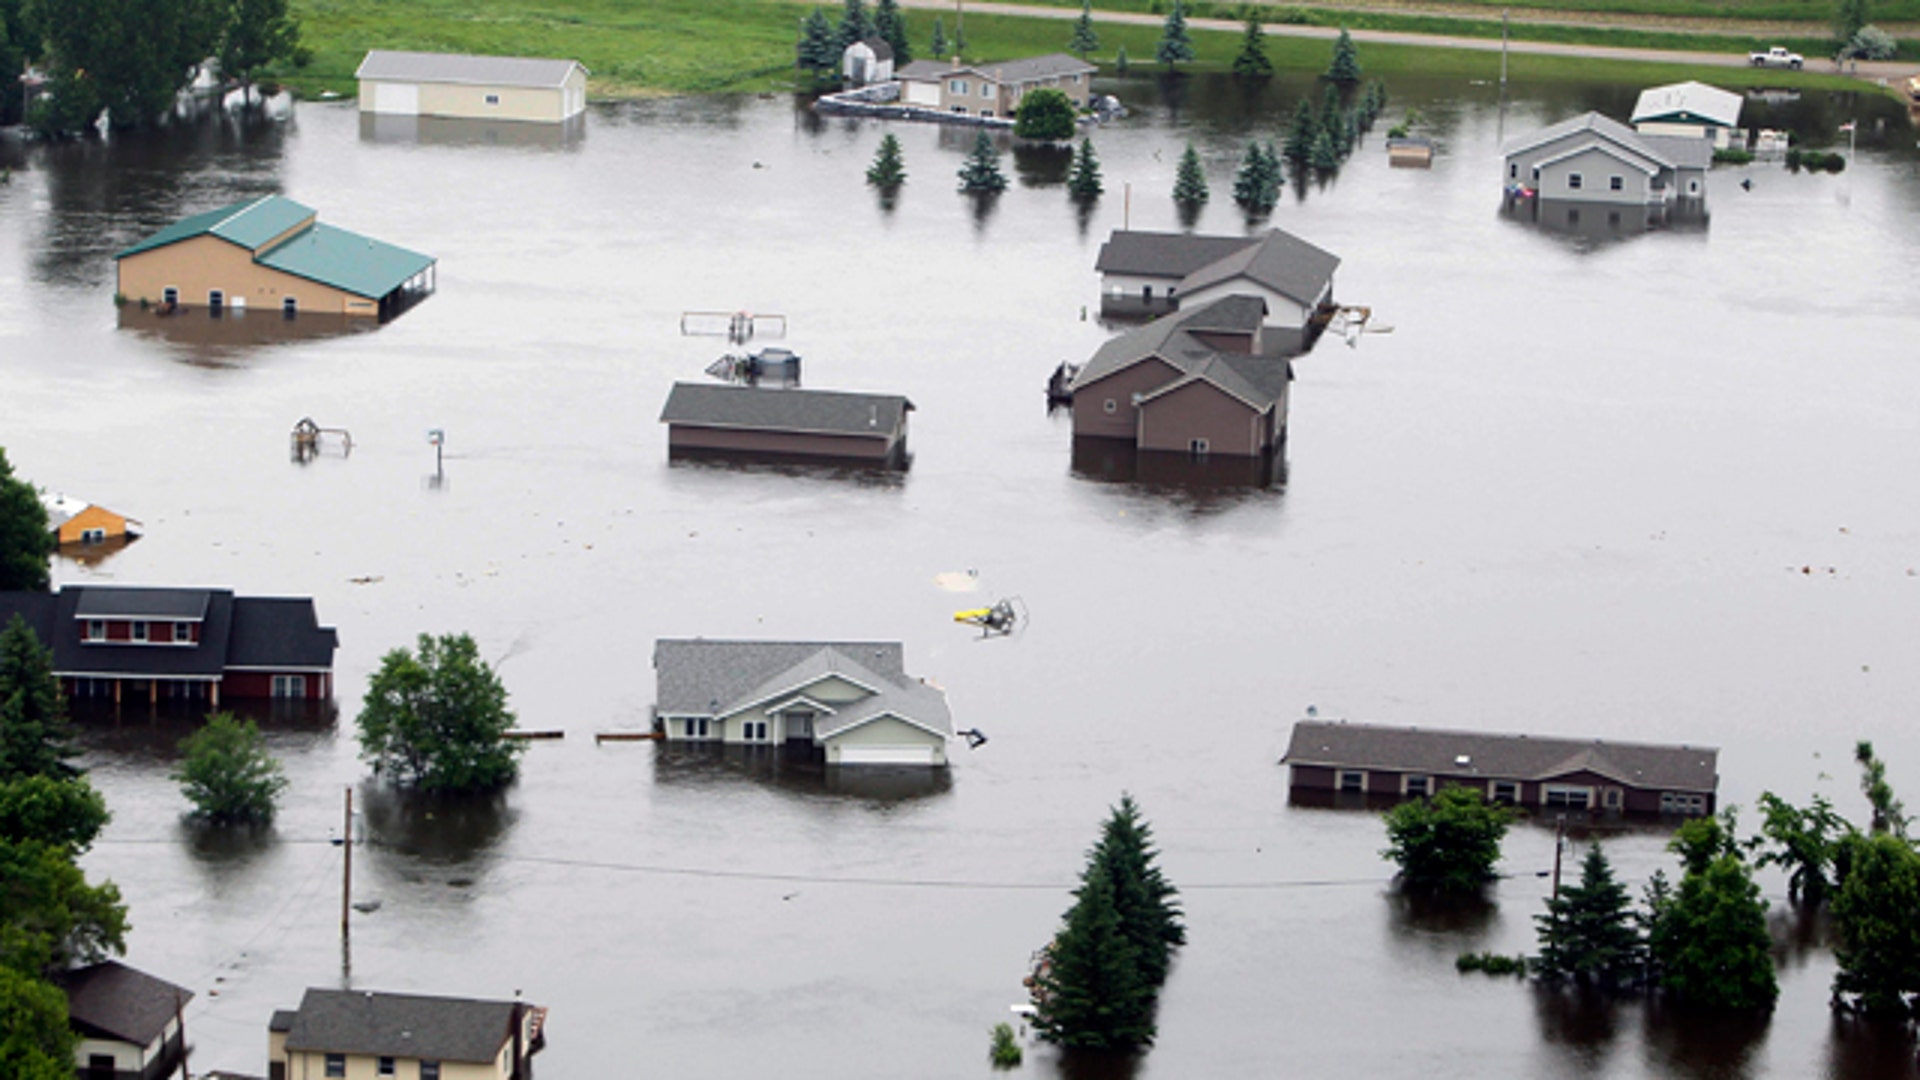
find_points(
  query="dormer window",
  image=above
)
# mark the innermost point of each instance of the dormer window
(139, 630)
(96, 630)
(183, 633)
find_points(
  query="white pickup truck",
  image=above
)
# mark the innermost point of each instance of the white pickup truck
(1776, 57)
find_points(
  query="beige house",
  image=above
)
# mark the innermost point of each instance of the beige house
(367, 1035)
(993, 91)
(844, 702)
(271, 253)
(472, 87)
(128, 1022)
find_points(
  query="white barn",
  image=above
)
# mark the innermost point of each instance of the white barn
(1691, 109)
(867, 62)
(471, 87)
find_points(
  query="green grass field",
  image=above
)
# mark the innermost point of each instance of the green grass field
(1815, 12)
(699, 46)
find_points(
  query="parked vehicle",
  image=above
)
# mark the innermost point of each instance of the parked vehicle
(1776, 57)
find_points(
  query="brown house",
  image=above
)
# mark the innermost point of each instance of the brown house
(129, 1022)
(271, 253)
(1524, 770)
(1199, 381)
(788, 423)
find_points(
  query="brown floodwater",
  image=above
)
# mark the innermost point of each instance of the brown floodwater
(1647, 485)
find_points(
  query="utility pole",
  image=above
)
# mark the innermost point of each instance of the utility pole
(346, 867)
(1126, 206)
(1559, 832)
(1503, 51)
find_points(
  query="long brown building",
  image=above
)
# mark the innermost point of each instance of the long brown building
(1524, 770)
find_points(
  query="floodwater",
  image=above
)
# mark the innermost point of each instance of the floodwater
(1649, 486)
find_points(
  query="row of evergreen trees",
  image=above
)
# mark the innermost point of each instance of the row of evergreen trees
(981, 173)
(821, 42)
(1099, 980)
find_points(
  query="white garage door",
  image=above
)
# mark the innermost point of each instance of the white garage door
(886, 755)
(402, 99)
(920, 93)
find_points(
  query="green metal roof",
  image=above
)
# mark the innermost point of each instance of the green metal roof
(346, 260)
(249, 224)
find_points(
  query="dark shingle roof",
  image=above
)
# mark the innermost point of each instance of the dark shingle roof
(1168, 255)
(139, 602)
(1167, 338)
(279, 631)
(1256, 380)
(204, 659)
(112, 1000)
(699, 677)
(1521, 757)
(881, 49)
(1596, 126)
(384, 65)
(1280, 261)
(822, 412)
(401, 1025)
(1032, 68)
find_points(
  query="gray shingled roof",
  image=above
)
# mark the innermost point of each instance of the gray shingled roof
(1167, 255)
(1255, 379)
(882, 50)
(928, 70)
(818, 412)
(717, 678)
(113, 1000)
(279, 631)
(135, 602)
(1601, 126)
(1034, 68)
(1280, 261)
(382, 65)
(401, 1025)
(1685, 151)
(1436, 752)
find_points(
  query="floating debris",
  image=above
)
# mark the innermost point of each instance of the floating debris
(958, 580)
(1003, 618)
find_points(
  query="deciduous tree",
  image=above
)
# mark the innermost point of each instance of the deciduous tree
(50, 918)
(1876, 915)
(63, 814)
(1045, 114)
(1710, 940)
(130, 59)
(1804, 843)
(1448, 842)
(254, 34)
(1589, 935)
(35, 1041)
(34, 737)
(1848, 17)
(26, 540)
(438, 719)
(227, 774)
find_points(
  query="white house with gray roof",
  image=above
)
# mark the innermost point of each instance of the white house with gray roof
(453, 85)
(992, 91)
(368, 1033)
(1596, 159)
(1151, 273)
(849, 702)
(1691, 110)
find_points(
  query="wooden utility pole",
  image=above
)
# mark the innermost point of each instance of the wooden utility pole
(1503, 49)
(346, 866)
(1559, 831)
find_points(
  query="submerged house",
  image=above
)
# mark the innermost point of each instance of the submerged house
(179, 644)
(846, 702)
(993, 91)
(457, 86)
(1524, 770)
(273, 253)
(1691, 110)
(1596, 159)
(366, 1033)
(787, 422)
(1199, 381)
(1149, 273)
(74, 521)
(129, 1022)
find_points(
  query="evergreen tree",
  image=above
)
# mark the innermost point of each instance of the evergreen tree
(1190, 180)
(1325, 155)
(1302, 132)
(1345, 66)
(1252, 63)
(887, 171)
(1589, 934)
(227, 774)
(26, 539)
(1083, 178)
(939, 46)
(1709, 941)
(1328, 119)
(34, 737)
(1876, 914)
(981, 174)
(815, 51)
(1148, 905)
(959, 37)
(1450, 840)
(1256, 187)
(1349, 134)
(1176, 44)
(1084, 39)
(891, 25)
(1849, 16)
(1091, 995)
(855, 25)
(1120, 60)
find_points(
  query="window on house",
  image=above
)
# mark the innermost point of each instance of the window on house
(385, 1067)
(96, 630)
(289, 686)
(1568, 797)
(429, 1070)
(1513, 170)
(170, 296)
(216, 298)
(182, 632)
(1506, 791)
(1573, 181)
(696, 727)
(92, 536)
(139, 631)
(289, 306)
(1353, 781)
(336, 1064)
(1677, 802)
(1610, 798)
(1417, 785)
(986, 89)
(1199, 447)
(957, 86)
(1110, 405)
(1616, 183)
(493, 99)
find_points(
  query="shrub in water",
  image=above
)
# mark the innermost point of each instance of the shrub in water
(1006, 1052)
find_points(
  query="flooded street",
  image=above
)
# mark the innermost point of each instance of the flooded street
(1656, 487)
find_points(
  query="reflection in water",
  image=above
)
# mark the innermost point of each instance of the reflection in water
(1589, 226)
(1711, 1046)
(1802, 931)
(149, 735)
(449, 830)
(1203, 484)
(1098, 1065)
(449, 131)
(1583, 1023)
(218, 846)
(881, 475)
(795, 773)
(1040, 165)
(97, 552)
(211, 338)
(1419, 914)
(1860, 1047)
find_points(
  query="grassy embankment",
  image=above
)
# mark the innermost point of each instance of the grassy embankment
(698, 46)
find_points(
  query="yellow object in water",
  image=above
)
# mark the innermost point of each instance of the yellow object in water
(972, 615)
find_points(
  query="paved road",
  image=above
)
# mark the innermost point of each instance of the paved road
(1884, 71)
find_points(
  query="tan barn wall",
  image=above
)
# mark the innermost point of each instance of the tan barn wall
(1090, 415)
(1199, 411)
(470, 101)
(93, 517)
(204, 263)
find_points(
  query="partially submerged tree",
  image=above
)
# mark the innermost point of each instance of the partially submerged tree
(888, 171)
(1045, 114)
(981, 174)
(1876, 917)
(1302, 132)
(1252, 62)
(1344, 68)
(1804, 843)
(1448, 842)
(1149, 908)
(1085, 39)
(256, 33)
(1256, 186)
(1889, 815)
(1176, 44)
(438, 719)
(26, 539)
(1709, 940)
(131, 60)
(1190, 181)
(1083, 177)
(34, 737)
(1589, 935)
(227, 774)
